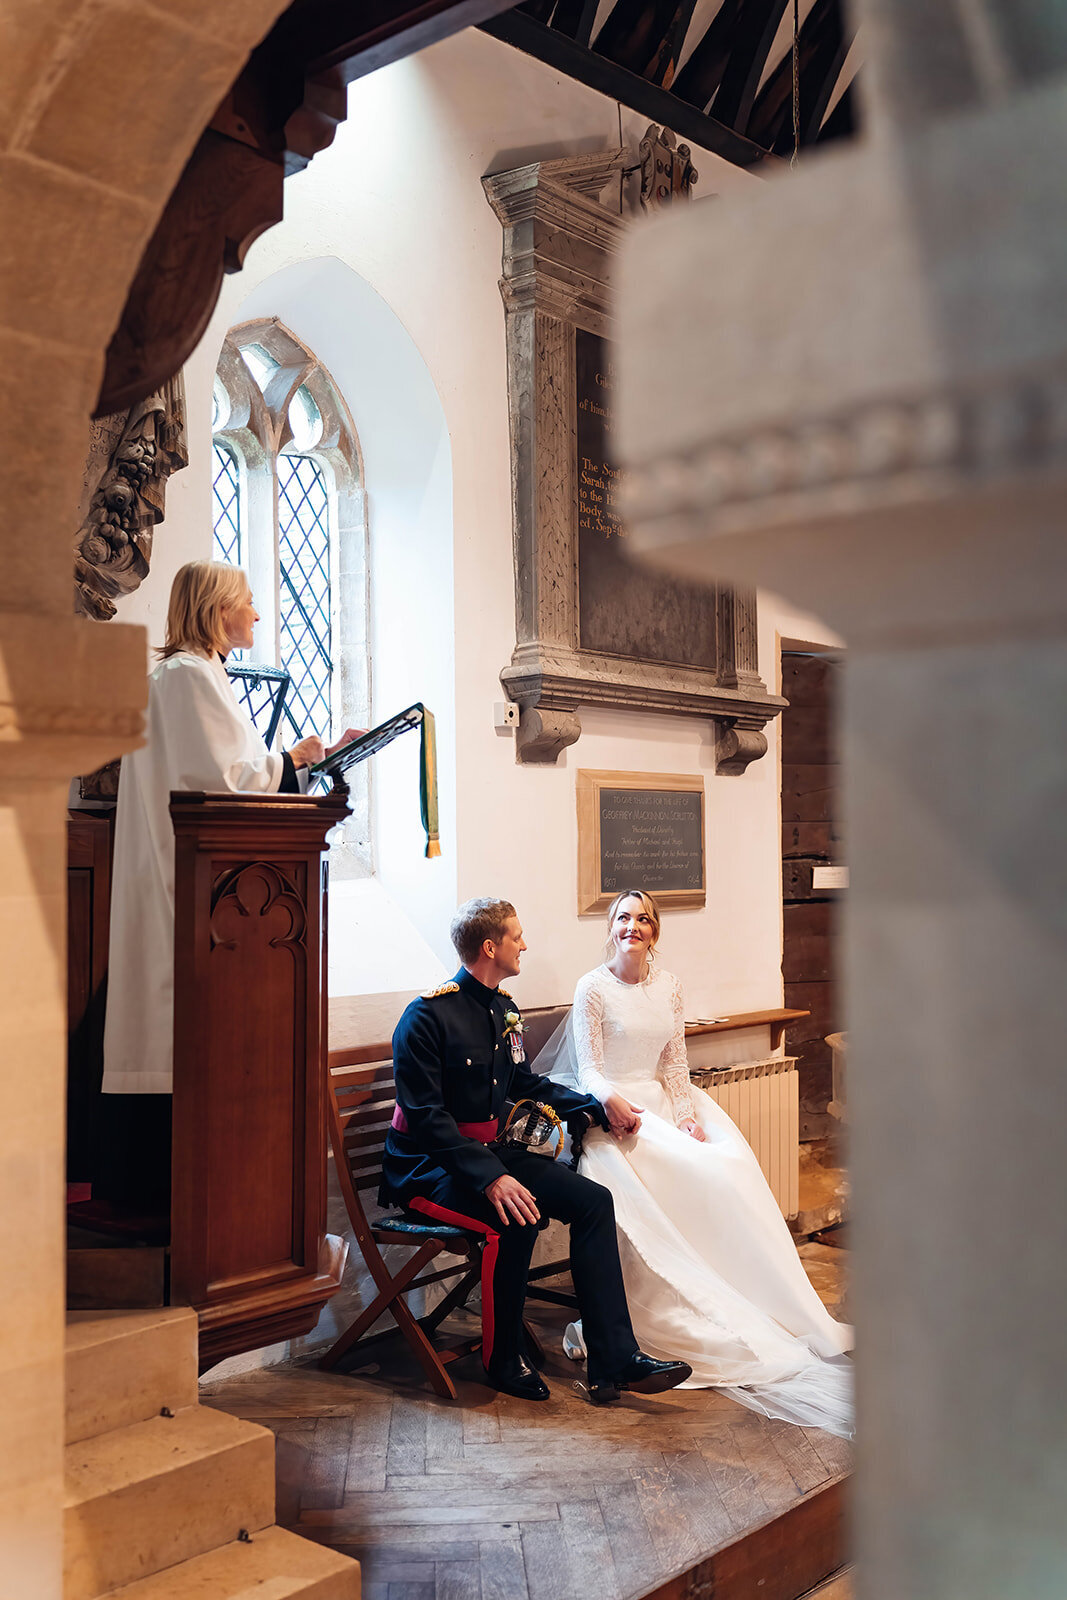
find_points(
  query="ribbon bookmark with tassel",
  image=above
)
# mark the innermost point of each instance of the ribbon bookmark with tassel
(368, 744)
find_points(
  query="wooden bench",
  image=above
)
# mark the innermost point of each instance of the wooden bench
(360, 1109)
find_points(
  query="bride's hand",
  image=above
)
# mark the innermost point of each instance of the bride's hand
(693, 1129)
(623, 1116)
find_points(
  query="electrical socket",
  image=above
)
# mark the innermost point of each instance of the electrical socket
(505, 714)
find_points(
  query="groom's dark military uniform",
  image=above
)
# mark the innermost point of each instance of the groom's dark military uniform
(458, 1062)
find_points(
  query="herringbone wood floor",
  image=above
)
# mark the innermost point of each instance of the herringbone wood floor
(491, 1498)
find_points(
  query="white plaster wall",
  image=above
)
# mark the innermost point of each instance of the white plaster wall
(398, 200)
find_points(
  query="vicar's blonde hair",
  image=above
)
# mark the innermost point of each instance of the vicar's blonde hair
(200, 593)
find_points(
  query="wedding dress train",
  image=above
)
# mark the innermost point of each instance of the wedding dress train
(712, 1275)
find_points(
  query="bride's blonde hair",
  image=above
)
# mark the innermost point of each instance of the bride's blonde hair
(648, 906)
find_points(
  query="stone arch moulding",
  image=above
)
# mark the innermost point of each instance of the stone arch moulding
(559, 248)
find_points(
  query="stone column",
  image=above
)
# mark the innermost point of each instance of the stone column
(71, 693)
(875, 423)
(84, 173)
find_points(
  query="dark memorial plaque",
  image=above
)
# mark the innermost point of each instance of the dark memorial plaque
(650, 838)
(640, 831)
(624, 609)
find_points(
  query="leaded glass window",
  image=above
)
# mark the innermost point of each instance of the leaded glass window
(226, 505)
(304, 570)
(289, 509)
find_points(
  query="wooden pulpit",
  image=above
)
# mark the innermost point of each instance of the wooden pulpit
(249, 1247)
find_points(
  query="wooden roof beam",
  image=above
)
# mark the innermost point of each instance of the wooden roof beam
(607, 77)
(646, 36)
(753, 36)
(822, 48)
(703, 72)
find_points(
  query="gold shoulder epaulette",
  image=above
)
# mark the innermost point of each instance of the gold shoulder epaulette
(504, 992)
(443, 988)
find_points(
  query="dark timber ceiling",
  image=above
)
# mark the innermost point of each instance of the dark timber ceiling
(719, 73)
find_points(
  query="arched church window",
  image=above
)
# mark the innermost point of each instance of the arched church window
(289, 508)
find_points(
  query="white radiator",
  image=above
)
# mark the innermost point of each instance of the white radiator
(763, 1098)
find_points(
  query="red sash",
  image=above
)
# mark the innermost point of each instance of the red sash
(484, 1132)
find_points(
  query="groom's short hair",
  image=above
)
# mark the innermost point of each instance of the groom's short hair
(476, 921)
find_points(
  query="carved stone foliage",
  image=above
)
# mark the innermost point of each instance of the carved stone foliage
(131, 457)
(559, 247)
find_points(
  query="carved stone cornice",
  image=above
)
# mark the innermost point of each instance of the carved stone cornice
(886, 452)
(72, 694)
(562, 679)
(559, 248)
(917, 401)
(558, 239)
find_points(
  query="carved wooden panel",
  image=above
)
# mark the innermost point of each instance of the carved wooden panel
(249, 1242)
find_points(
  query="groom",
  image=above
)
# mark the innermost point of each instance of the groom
(458, 1057)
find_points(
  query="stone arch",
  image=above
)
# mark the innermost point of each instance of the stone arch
(86, 172)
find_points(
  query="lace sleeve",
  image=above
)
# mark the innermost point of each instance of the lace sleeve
(588, 1018)
(674, 1063)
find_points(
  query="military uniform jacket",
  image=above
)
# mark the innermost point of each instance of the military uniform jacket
(457, 1058)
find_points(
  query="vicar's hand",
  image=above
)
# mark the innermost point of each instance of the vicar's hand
(512, 1199)
(346, 738)
(623, 1116)
(307, 752)
(693, 1129)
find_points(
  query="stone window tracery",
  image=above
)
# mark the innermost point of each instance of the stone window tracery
(288, 506)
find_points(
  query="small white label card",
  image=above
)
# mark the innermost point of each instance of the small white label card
(829, 877)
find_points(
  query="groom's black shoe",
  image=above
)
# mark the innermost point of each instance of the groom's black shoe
(642, 1375)
(517, 1377)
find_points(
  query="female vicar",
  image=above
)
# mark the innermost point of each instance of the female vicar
(197, 736)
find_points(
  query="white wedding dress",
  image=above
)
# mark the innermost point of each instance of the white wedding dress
(712, 1275)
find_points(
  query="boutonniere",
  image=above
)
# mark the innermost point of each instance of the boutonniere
(513, 1034)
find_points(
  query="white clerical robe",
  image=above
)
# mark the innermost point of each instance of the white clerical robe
(198, 737)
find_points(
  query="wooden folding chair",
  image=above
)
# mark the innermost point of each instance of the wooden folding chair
(360, 1103)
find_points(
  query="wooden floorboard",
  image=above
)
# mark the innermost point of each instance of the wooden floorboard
(491, 1498)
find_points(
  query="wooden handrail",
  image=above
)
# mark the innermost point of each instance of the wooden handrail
(777, 1018)
(362, 1055)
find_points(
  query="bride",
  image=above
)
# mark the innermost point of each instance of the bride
(712, 1276)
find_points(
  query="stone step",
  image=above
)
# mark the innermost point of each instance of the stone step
(276, 1564)
(125, 1366)
(148, 1496)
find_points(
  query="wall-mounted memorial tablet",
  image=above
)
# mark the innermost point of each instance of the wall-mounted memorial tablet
(592, 628)
(640, 830)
